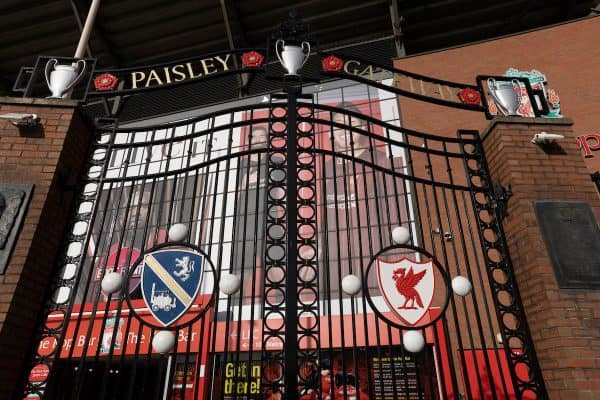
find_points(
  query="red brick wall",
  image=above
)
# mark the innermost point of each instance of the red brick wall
(568, 54)
(563, 322)
(48, 157)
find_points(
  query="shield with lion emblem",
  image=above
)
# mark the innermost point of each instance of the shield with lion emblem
(171, 280)
(407, 287)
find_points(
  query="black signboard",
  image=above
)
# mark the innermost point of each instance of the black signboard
(572, 239)
(13, 201)
(393, 375)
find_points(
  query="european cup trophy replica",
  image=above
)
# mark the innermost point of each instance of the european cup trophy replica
(62, 78)
(506, 94)
(292, 57)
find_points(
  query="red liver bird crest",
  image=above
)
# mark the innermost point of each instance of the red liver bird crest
(407, 287)
(405, 284)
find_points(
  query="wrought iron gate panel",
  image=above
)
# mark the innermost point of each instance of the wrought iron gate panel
(302, 203)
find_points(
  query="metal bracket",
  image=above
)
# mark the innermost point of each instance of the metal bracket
(501, 195)
(448, 236)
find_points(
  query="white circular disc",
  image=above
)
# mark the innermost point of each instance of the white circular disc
(400, 235)
(461, 286)
(163, 341)
(351, 284)
(229, 283)
(413, 341)
(178, 232)
(111, 282)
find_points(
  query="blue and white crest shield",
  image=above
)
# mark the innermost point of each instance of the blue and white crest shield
(170, 282)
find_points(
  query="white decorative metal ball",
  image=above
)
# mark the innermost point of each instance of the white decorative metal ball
(111, 282)
(178, 232)
(163, 341)
(413, 341)
(400, 235)
(461, 286)
(229, 283)
(351, 284)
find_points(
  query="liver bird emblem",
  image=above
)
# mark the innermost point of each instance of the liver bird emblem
(405, 284)
(407, 287)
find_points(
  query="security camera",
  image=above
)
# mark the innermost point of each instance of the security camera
(17, 119)
(546, 138)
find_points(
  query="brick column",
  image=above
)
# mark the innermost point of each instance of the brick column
(563, 322)
(50, 157)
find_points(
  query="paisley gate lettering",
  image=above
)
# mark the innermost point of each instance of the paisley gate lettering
(180, 72)
(205, 67)
(212, 65)
(401, 81)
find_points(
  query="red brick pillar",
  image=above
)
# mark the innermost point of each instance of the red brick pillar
(563, 322)
(50, 157)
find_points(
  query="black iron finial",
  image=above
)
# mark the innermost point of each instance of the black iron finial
(292, 29)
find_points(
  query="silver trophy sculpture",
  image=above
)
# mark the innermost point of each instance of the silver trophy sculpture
(504, 94)
(292, 57)
(62, 78)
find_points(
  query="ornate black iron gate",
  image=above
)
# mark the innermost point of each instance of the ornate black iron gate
(343, 257)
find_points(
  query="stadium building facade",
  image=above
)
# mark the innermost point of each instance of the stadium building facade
(351, 229)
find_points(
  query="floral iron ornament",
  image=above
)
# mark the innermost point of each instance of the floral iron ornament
(332, 64)
(469, 96)
(252, 59)
(105, 82)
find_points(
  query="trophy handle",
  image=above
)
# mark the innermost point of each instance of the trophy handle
(492, 86)
(277, 47)
(49, 66)
(517, 84)
(82, 70)
(307, 53)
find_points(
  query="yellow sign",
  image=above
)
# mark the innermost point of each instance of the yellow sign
(243, 379)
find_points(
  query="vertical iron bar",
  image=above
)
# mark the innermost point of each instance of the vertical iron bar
(220, 254)
(325, 267)
(480, 269)
(258, 247)
(240, 243)
(202, 202)
(291, 279)
(337, 240)
(478, 319)
(438, 217)
(273, 266)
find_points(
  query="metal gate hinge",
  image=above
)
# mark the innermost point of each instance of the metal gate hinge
(501, 195)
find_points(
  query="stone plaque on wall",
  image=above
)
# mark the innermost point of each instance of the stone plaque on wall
(14, 198)
(572, 238)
